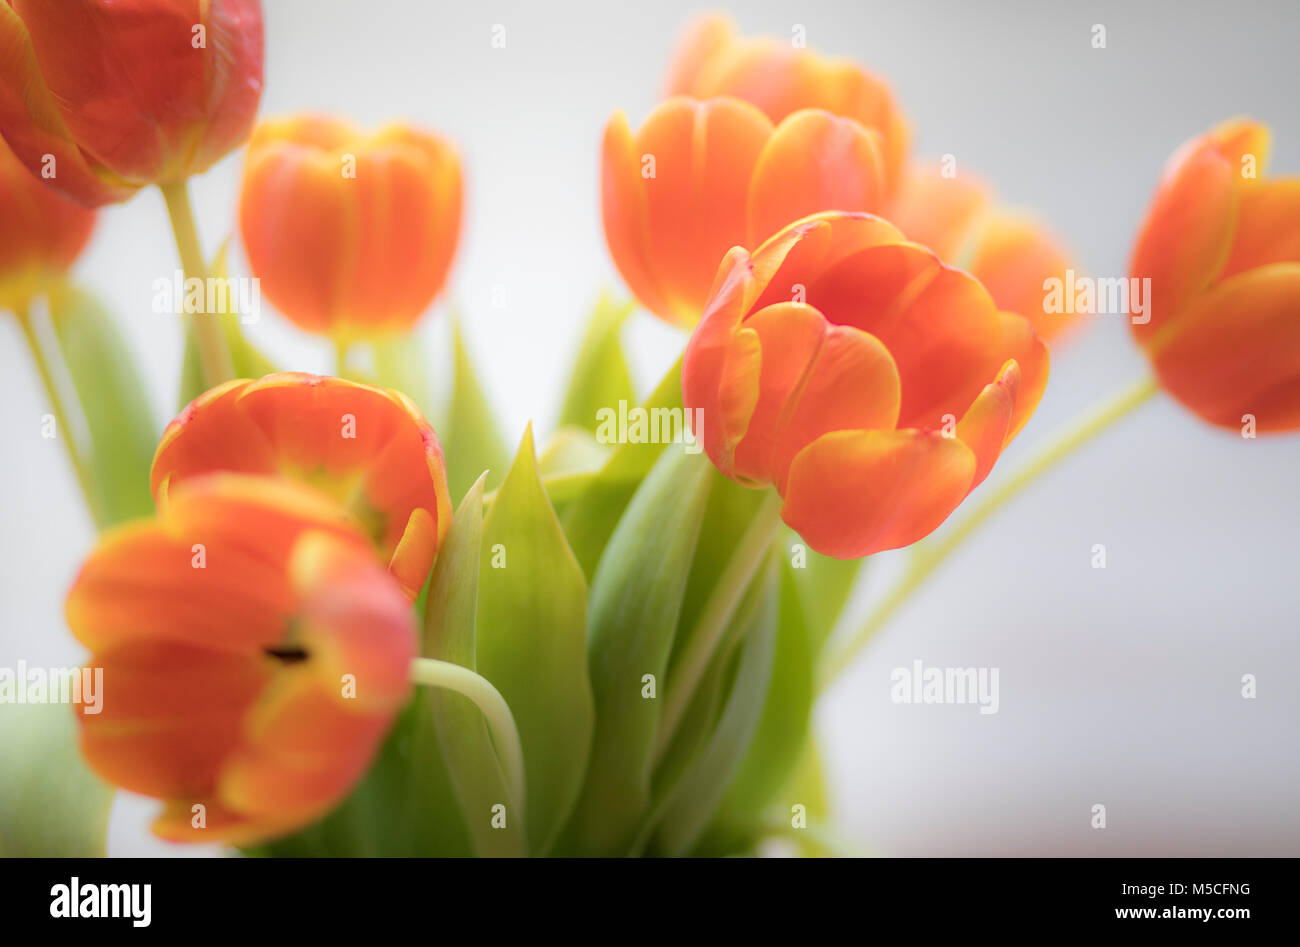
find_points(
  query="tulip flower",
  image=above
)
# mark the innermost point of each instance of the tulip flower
(351, 235)
(41, 236)
(253, 653)
(369, 449)
(1221, 246)
(871, 384)
(781, 79)
(699, 178)
(103, 98)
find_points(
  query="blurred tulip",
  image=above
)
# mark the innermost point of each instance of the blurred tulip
(699, 178)
(1011, 254)
(352, 235)
(103, 97)
(781, 79)
(369, 449)
(41, 233)
(253, 653)
(870, 383)
(1221, 246)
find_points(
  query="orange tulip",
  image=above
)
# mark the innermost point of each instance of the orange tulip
(107, 97)
(781, 79)
(350, 234)
(369, 449)
(41, 235)
(873, 385)
(1011, 254)
(1221, 246)
(253, 652)
(699, 178)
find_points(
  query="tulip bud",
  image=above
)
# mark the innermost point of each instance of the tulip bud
(104, 98)
(350, 234)
(1221, 247)
(41, 233)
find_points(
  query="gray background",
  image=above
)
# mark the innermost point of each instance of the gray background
(1118, 686)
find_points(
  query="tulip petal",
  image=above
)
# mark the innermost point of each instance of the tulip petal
(626, 219)
(1236, 351)
(814, 162)
(703, 42)
(985, 427)
(855, 493)
(1021, 343)
(816, 378)
(1268, 226)
(939, 211)
(1013, 258)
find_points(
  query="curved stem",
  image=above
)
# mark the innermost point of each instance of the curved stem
(501, 722)
(66, 432)
(214, 354)
(929, 555)
(686, 673)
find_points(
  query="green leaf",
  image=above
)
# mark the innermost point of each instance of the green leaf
(113, 400)
(245, 359)
(600, 378)
(401, 362)
(781, 736)
(51, 804)
(825, 585)
(449, 635)
(532, 642)
(589, 520)
(470, 437)
(636, 598)
(696, 798)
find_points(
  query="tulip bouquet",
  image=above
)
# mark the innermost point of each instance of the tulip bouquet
(320, 623)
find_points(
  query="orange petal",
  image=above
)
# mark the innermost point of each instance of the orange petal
(985, 427)
(1268, 226)
(1236, 351)
(815, 378)
(814, 162)
(1020, 342)
(623, 210)
(855, 493)
(1013, 258)
(704, 41)
(697, 200)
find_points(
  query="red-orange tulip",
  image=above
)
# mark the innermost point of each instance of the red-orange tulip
(782, 79)
(41, 234)
(1012, 255)
(870, 383)
(369, 449)
(1221, 246)
(351, 234)
(253, 654)
(699, 178)
(107, 96)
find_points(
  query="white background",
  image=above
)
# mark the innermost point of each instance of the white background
(1118, 686)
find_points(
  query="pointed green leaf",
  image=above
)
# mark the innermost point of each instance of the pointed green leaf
(449, 635)
(470, 437)
(110, 389)
(51, 804)
(532, 642)
(600, 378)
(636, 598)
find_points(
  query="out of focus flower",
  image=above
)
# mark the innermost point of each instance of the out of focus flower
(873, 385)
(699, 178)
(253, 655)
(103, 97)
(781, 79)
(41, 234)
(369, 449)
(351, 234)
(1221, 246)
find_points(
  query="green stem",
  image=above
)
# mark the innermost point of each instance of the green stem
(714, 618)
(214, 354)
(928, 555)
(501, 722)
(59, 405)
